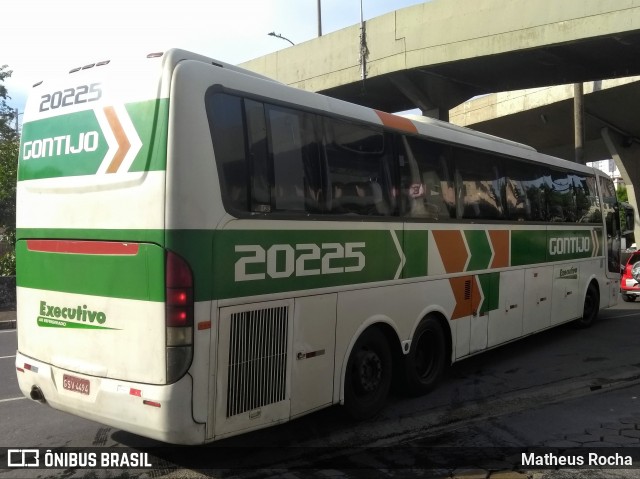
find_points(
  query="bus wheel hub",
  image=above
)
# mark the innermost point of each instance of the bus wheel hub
(370, 370)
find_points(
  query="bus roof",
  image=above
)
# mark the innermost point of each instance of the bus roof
(468, 131)
(424, 126)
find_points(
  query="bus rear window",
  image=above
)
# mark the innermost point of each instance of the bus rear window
(227, 132)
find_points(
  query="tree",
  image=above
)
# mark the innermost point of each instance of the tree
(9, 149)
(621, 193)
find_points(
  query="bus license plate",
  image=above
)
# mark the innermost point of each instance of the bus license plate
(72, 383)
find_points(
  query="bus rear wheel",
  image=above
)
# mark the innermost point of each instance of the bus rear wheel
(427, 359)
(368, 375)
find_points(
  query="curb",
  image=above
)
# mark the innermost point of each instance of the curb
(8, 324)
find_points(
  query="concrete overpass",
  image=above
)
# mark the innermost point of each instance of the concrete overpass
(435, 56)
(543, 118)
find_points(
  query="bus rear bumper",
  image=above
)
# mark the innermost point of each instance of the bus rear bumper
(162, 412)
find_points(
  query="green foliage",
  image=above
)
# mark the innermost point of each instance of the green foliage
(622, 194)
(8, 262)
(9, 149)
(626, 211)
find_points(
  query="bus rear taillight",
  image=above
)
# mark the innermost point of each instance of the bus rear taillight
(179, 316)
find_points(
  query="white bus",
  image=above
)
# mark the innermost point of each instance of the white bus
(203, 251)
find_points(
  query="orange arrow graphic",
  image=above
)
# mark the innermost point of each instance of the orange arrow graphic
(468, 296)
(500, 242)
(121, 138)
(452, 249)
(461, 288)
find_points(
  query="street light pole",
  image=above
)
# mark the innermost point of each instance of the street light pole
(277, 35)
(363, 46)
(578, 122)
(319, 18)
(17, 115)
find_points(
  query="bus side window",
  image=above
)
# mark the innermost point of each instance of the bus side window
(525, 197)
(562, 206)
(296, 164)
(227, 133)
(258, 164)
(480, 185)
(358, 169)
(425, 188)
(587, 210)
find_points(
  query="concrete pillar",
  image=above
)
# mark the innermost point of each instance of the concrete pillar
(418, 97)
(433, 95)
(578, 122)
(626, 155)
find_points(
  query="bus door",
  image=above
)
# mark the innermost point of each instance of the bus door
(612, 226)
(312, 369)
(505, 322)
(610, 213)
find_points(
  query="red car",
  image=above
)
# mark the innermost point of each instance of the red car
(630, 281)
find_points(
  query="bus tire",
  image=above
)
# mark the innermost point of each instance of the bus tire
(591, 307)
(368, 375)
(427, 359)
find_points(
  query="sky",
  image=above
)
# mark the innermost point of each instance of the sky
(46, 37)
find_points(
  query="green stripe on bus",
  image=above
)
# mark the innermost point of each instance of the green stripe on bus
(490, 285)
(45, 322)
(528, 247)
(532, 247)
(263, 262)
(144, 116)
(139, 277)
(75, 144)
(479, 248)
(415, 248)
(239, 263)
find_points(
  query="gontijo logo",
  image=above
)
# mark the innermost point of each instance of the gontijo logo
(571, 245)
(60, 145)
(101, 140)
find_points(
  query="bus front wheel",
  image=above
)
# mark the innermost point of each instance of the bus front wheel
(427, 358)
(591, 307)
(368, 375)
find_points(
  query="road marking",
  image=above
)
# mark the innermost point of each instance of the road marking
(7, 357)
(618, 315)
(13, 399)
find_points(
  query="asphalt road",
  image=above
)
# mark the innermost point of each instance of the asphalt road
(562, 388)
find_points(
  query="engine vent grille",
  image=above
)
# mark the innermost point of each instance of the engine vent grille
(467, 289)
(257, 359)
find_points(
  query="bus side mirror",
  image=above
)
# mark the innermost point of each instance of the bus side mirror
(627, 217)
(630, 217)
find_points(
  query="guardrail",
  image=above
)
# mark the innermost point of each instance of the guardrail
(7, 292)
